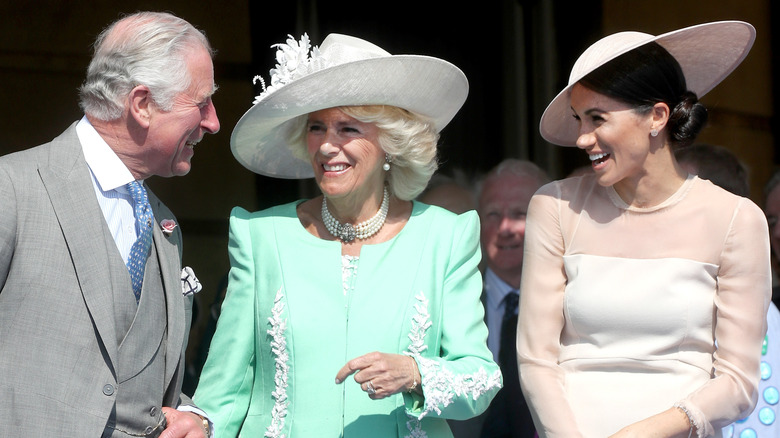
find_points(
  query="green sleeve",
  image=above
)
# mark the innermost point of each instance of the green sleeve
(225, 387)
(462, 379)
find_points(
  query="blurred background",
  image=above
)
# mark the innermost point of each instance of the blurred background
(517, 55)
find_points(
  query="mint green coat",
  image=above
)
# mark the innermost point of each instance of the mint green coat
(287, 327)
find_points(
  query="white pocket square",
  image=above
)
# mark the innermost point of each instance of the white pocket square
(189, 282)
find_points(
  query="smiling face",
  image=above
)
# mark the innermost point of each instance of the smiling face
(345, 155)
(173, 134)
(503, 205)
(614, 135)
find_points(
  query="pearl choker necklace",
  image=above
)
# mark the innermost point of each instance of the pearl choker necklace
(348, 232)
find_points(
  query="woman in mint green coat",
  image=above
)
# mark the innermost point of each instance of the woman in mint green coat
(356, 313)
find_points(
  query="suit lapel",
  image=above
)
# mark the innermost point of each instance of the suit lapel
(170, 269)
(72, 195)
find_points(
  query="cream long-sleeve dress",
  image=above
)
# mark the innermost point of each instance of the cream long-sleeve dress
(622, 308)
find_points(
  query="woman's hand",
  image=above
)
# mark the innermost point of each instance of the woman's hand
(382, 374)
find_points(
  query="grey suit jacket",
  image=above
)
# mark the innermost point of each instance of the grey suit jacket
(58, 344)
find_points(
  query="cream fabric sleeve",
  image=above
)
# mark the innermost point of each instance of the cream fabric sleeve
(541, 318)
(742, 300)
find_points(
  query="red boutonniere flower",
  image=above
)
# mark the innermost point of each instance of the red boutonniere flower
(167, 225)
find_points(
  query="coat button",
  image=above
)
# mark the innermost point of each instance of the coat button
(153, 411)
(148, 430)
(108, 389)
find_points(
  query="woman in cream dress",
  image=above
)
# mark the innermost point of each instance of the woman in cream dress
(645, 289)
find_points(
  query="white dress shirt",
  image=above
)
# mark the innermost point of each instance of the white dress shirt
(109, 177)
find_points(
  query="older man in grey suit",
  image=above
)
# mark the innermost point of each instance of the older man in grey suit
(93, 315)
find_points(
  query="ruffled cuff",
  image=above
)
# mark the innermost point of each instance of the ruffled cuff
(696, 418)
(442, 386)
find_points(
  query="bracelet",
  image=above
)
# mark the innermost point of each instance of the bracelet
(414, 376)
(688, 416)
(205, 425)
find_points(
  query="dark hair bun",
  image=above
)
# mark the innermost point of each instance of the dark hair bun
(687, 119)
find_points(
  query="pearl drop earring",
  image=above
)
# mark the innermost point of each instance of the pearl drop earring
(386, 165)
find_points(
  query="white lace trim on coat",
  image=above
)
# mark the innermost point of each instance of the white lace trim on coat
(440, 384)
(281, 358)
(349, 266)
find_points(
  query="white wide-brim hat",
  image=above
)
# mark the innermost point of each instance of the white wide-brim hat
(343, 71)
(706, 52)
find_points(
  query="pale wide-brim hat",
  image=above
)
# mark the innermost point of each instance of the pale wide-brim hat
(342, 71)
(706, 52)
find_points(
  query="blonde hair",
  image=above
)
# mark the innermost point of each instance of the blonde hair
(409, 140)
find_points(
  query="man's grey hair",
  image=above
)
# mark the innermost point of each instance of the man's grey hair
(145, 48)
(516, 167)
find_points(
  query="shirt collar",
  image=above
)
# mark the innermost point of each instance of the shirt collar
(496, 289)
(109, 171)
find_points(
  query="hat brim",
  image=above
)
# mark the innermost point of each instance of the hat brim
(707, 53)
(429, 86)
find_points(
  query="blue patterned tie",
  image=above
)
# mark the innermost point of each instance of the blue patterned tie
(136, 263)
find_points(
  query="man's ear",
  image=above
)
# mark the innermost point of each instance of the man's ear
(140, 105)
